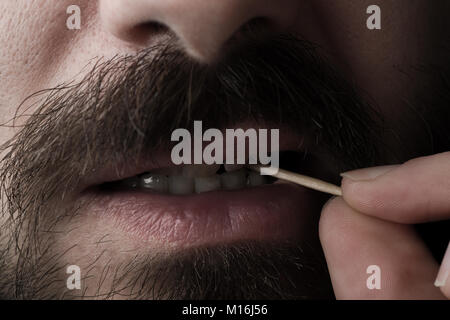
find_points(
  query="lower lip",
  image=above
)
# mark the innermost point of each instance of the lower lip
(271, 212)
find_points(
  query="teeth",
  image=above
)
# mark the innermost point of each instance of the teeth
(196, 178)
(233, 167)
(234, 180)
(193, 171)
(132, 182)
(206, 184)
(155, 182)
(181, 185)
(255, 179)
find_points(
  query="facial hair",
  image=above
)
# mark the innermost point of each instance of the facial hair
(129, 106)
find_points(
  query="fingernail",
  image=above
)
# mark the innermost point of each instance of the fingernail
(367, 174)
(444, 271)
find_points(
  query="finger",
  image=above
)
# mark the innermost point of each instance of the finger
(352, 242)
(417, 191)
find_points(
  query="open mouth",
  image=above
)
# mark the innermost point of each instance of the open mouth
(184, 206)
(196, 179)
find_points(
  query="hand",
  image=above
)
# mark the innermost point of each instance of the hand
(372, 225)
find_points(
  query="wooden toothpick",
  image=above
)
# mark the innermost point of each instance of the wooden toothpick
(305, 181)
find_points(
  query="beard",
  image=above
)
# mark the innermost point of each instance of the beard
(129, 106)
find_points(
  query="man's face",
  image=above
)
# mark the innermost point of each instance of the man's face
(111, 93)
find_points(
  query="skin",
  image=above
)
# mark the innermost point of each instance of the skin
(37, 51)
(374, 218)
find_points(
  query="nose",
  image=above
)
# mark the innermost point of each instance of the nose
(203, 27)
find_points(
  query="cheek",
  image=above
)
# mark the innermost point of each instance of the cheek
(375, 59)
(32, 34)
(372, 58)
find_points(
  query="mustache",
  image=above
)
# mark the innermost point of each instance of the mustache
(129, 106)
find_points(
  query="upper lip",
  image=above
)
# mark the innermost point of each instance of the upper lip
(289, 140)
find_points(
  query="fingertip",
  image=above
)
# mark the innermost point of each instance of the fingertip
(371, 196)
(359, 186)
(367, 174)
(332, 214)
(330, 201)
(332, 206)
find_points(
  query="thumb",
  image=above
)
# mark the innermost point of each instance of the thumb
(356, 245)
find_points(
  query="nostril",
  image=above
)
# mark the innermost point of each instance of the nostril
(142, 33)
(256, 27)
